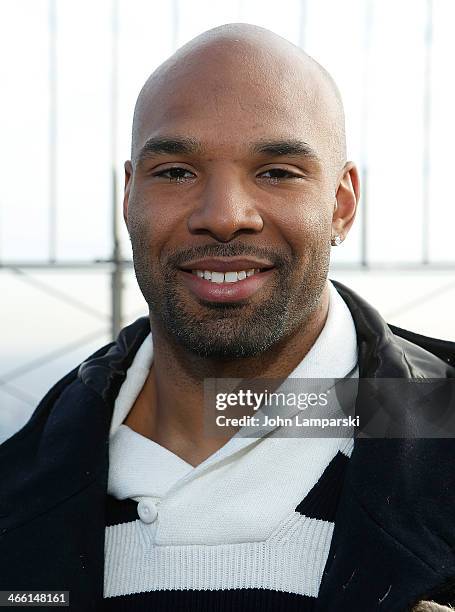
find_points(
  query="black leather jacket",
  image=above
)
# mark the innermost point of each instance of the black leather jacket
(394, 537)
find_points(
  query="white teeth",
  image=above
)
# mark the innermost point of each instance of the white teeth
(230, 277)
(217, 277)
(225, 277)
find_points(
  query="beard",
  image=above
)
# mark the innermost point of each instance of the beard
(235, 329)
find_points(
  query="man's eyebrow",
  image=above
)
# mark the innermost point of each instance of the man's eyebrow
(167, 146)
(276, 148)
(164, 145)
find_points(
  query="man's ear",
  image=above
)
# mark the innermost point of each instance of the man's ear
(347, 198)
(126, 191)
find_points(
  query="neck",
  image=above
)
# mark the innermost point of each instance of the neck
(171, 410)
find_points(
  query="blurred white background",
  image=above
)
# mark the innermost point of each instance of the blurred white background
(70, 73)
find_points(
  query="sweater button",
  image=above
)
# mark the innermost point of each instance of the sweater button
(147, 511)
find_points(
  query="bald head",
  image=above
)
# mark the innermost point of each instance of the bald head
(244, 64)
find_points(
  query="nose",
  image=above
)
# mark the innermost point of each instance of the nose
(225, 208)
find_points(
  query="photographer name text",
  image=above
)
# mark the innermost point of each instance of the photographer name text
(278, 421)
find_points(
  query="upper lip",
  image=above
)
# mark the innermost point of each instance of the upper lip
(229, 264)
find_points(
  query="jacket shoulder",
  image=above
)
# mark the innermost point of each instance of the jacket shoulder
(97, 371)
(41, 412)
(387, 350)
(444, 349)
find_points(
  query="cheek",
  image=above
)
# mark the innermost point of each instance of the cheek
(151, 226)
(306, 227)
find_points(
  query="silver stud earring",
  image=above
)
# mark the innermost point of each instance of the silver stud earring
(336, 240)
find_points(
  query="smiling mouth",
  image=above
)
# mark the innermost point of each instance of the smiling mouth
(226, 286)
(231, 276)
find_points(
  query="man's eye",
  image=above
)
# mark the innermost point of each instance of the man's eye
(275, 174)
(175, 175)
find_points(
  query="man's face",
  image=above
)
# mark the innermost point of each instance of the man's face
(231, 175)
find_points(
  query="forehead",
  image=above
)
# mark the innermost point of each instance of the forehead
(226, 102)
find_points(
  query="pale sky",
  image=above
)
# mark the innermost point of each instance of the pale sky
(374, 49)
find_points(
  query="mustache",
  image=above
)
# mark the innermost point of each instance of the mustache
(278, 257)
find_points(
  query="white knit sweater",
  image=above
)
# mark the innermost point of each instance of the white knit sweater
(256, 516)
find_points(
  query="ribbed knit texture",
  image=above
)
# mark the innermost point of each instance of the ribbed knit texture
(284, 570)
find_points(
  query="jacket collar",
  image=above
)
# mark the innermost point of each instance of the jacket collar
(106, 371)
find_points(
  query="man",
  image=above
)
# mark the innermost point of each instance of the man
(237, 188)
